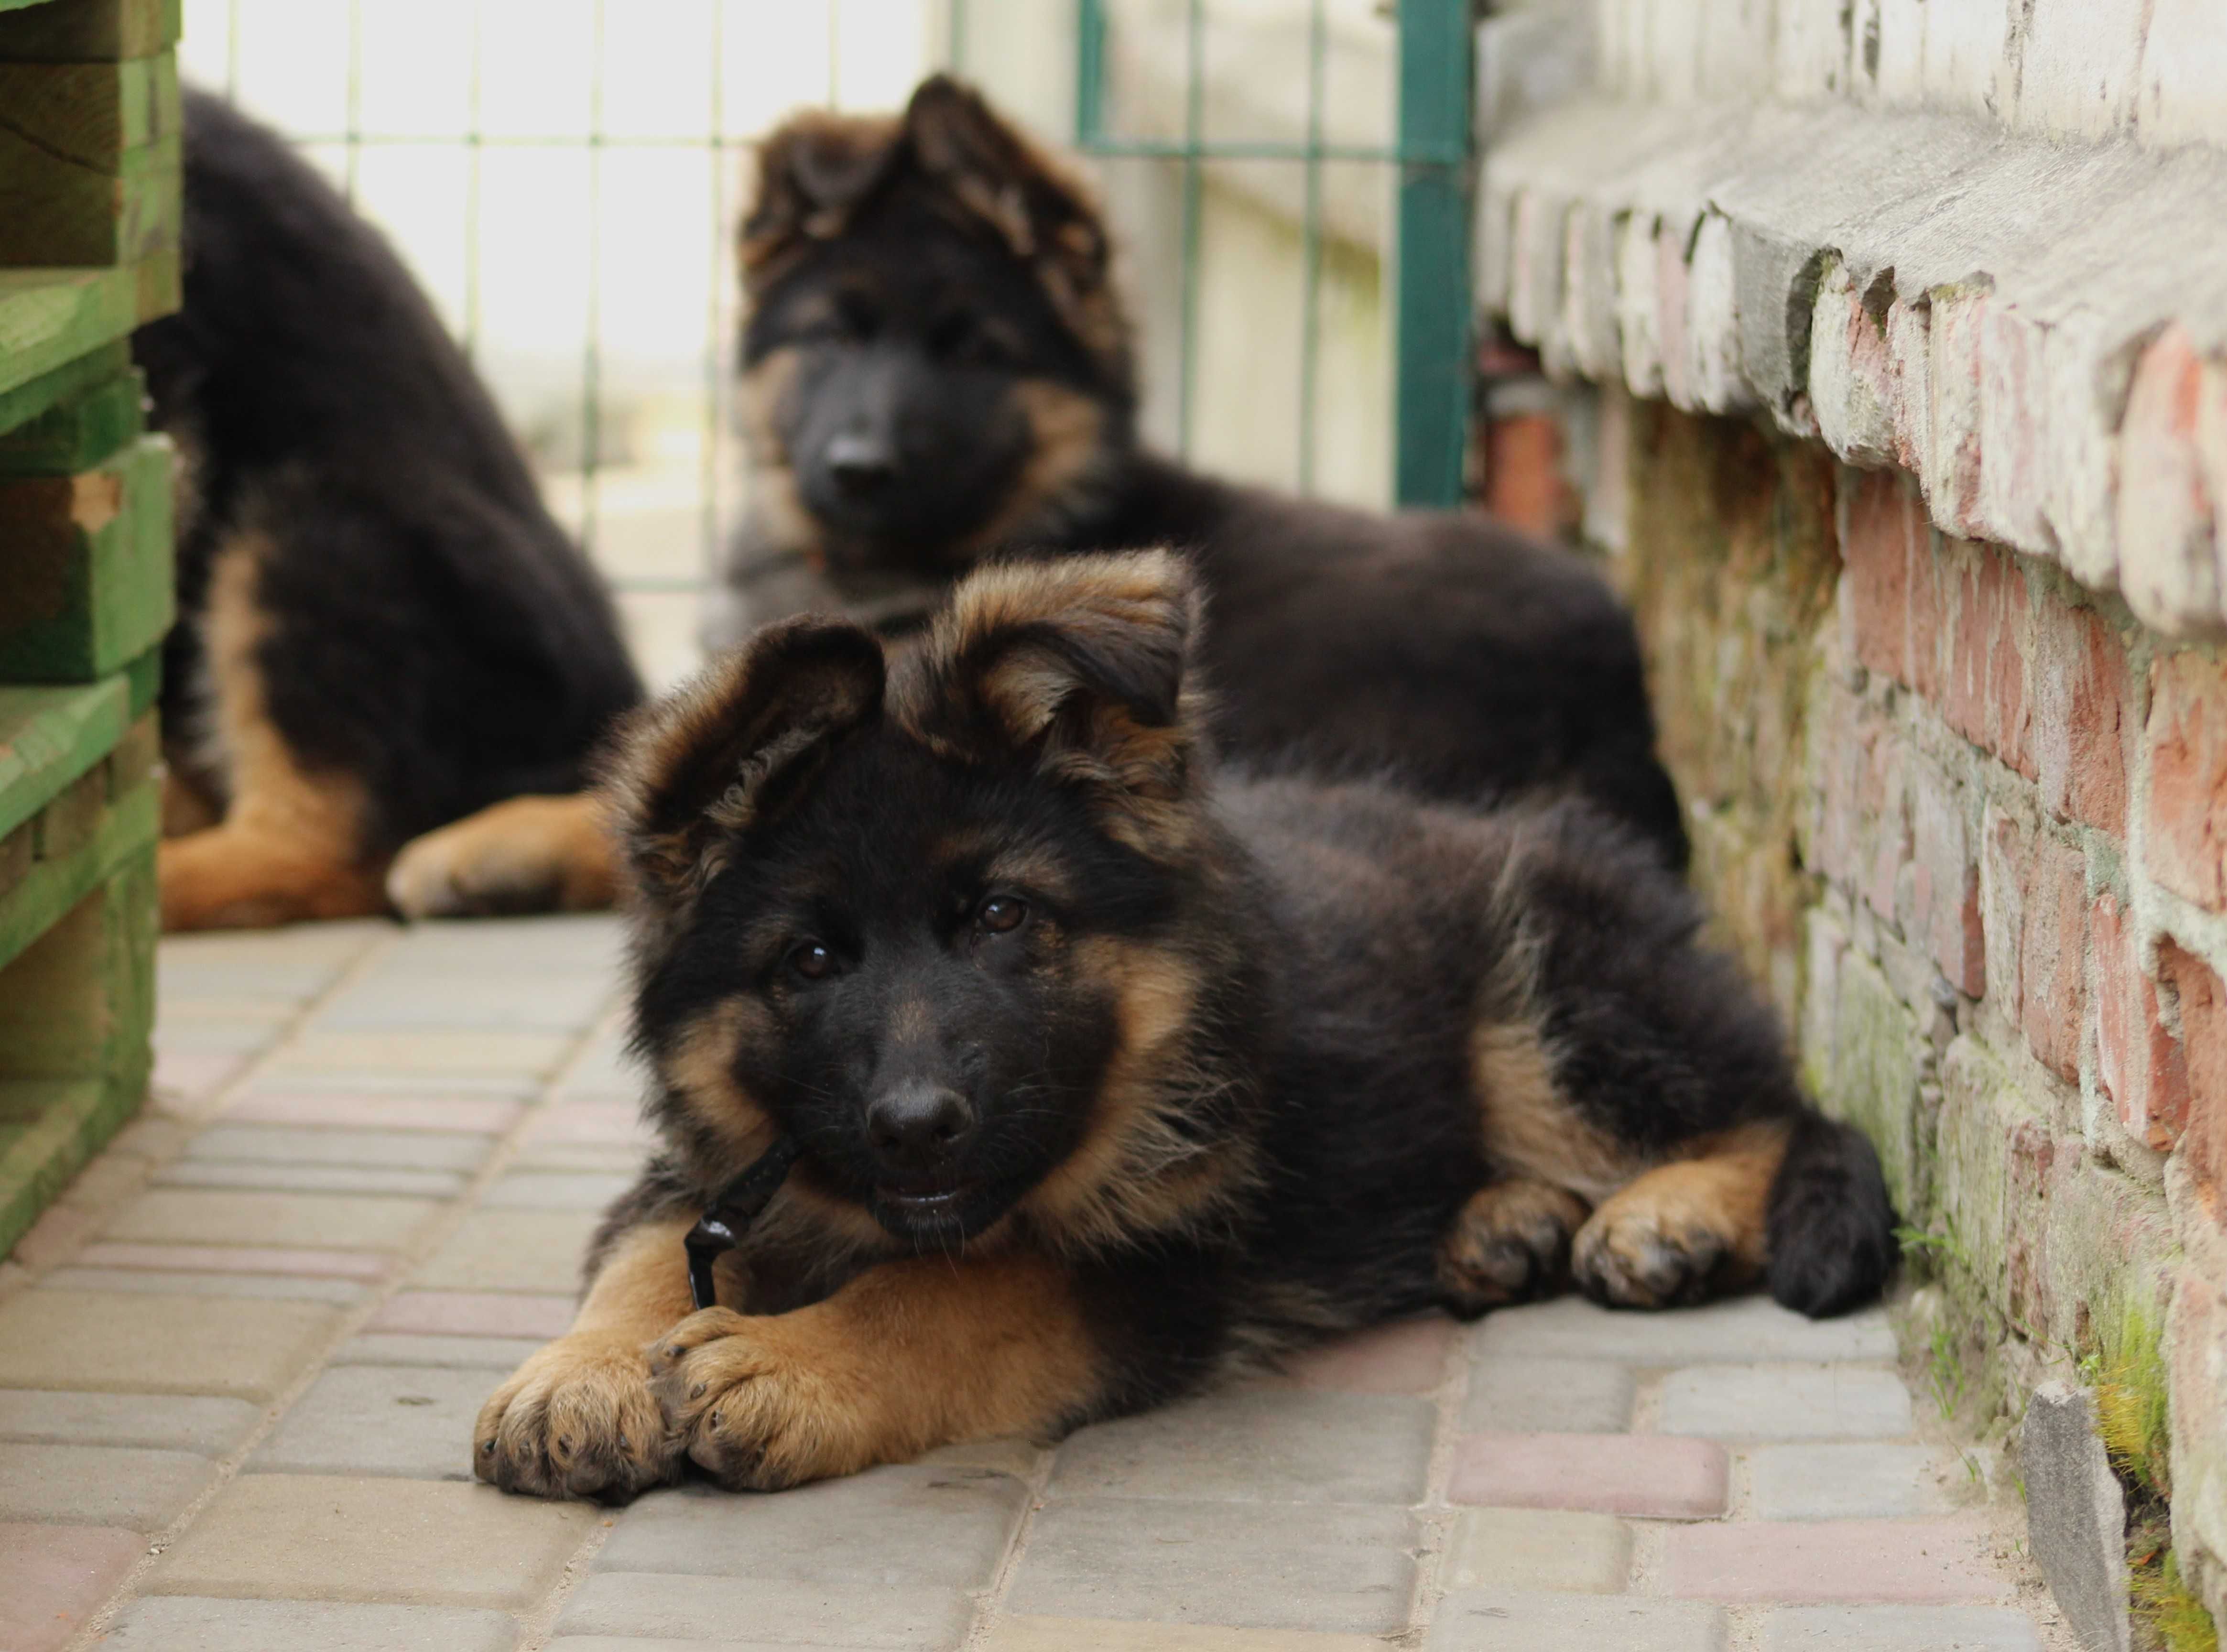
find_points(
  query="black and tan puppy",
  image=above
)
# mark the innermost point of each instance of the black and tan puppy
(380, 627)
(1110, 1076)
(937, 372)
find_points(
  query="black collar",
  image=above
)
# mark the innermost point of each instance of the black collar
(730, 1215)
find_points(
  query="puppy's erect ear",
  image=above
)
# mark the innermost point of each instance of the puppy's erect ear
(814, 171)
(1044, 214)
(728, 749)
(1082, 665)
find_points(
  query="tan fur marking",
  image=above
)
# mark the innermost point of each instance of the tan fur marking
(1066, 430)
(578, 1419)
(909, 1356)
(1531, 1131)
(1132, 1173)
(701, 1069)
(523, 854)
(186, 807)
(1689, 1229)
(291, 844)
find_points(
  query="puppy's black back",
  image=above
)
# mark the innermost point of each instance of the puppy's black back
(426, 628)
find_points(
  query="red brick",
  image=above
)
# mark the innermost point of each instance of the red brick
(2187, 738)
(2203, 1037)
(1928, 622)
(2006, 847)
(1830, 1560)
(2053, 987)
(1945, 905)
(1972, 630)
(1648, 1476)
(2139, 1063)
(1406, 1357)
(1876, 549)
(2010, 720)
(2079, 716)
(52, 1577)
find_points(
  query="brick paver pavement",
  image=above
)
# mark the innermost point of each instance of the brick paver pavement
(238, 1364)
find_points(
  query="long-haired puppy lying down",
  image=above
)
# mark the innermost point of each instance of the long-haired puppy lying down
(1109, 1074)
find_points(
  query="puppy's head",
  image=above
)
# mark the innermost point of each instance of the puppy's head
(935, 358)
(929, 916)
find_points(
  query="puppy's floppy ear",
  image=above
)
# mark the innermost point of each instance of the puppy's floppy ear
(1042, 211)
(730, 749)
(814, 171)
(1081, 664)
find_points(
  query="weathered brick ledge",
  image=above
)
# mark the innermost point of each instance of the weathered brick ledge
(2036, 329)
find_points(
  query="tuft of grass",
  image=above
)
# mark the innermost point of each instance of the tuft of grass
(2163, 1604)
(2131, 1412)
(1945, 1371)
(1922, 1244)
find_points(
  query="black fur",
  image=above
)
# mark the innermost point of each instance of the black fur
(429, 631)
(901, 319)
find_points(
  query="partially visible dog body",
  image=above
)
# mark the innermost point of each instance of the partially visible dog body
(380, 627)
(937, 372)
(1110, 1076)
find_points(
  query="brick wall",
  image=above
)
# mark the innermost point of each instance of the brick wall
(1969, 821)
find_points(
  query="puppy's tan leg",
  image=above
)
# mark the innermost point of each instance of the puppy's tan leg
(1510, 1243)
(909, 1356)
(527, 854)
(1686, 1231)
(579, 1420)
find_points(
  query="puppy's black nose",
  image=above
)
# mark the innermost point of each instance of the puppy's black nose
(917, 1129)
(861, 464)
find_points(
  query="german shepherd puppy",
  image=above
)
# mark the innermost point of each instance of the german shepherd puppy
(380, 627)
(937, 372)
(1108, 1075)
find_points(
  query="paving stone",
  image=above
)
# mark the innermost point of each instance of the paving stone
(271, 1287)
(827, 1615)
(237, 1259)
(1843, 1481)
(423, 1114)
(1744, 1329)
(1640, 1474)
(1898, 1628)
(581, 1158)
(1274, 1445)
(99, 1485)
(396, 1084)
(1538, 1549)
(1243, 1565)
(667, 1643)
(412, 1150)
(56, 1236)
(557, 1190)
(1070, 1634)
(193, 1075)
(617, 1124)
(474, 1313)
(524, 1054)
(339, 1221)
(502, 1354)
(506, 1002)
(420, 1542)
(312, 1178)
(230, 1037)
(189, 1624)
(1514, 1395)
(1406, 1357)
(573, 944)
(1738, 1403)
(1828, 1561)
(513, 1250)
(604, 1069)
(893, 1527)
(164, 1421)
(268, 1008)
(2076, 1514)
(1503, 1622)
(53, 1577)
(410, 1421)
(150, 1344)
(1003, 1453)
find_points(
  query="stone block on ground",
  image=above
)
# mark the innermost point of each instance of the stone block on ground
(1844, 1480)
(139, 1344)
(99, 1485)
(2075, 1514)
(1745, 1328)
(412, 1150)
(653, 1606)
(52, 1578)
(1068, 1634)
(1517, 1394)
(415, 1421)
(1898, 1628)
(503, 1354)
(1265, 1445)
(187, 1623)
(1541, 1550)
(1649, 1476)
(513, 1250)
(1244, 1565)
(166, 1282)
(160, 1421)
(1740, 1402)
(1408, 1356)
(211, 1216)
(474, 1313)
(1492, 1622)
(1830, 1561)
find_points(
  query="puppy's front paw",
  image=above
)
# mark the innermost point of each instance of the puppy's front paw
(1681, 1233)
(577, 1420)
(763, 1402)
(1510, 1243)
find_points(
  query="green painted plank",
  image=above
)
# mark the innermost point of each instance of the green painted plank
(13, 5)
(47, 318)
(58, 211)
(89, 31)
(144, 677)
(48, 736)
(1430, 292)
(96, 367)
(53, 887)
(78, 433)
(89, 558)
(91, 113)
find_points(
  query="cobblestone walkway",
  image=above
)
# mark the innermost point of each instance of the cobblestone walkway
(239, 1366)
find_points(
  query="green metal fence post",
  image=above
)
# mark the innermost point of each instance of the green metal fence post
(1431, 292)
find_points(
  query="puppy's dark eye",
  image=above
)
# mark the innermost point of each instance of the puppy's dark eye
(811, 960)
(1001, 914)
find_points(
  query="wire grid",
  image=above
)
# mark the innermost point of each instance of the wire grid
(1434, 155)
